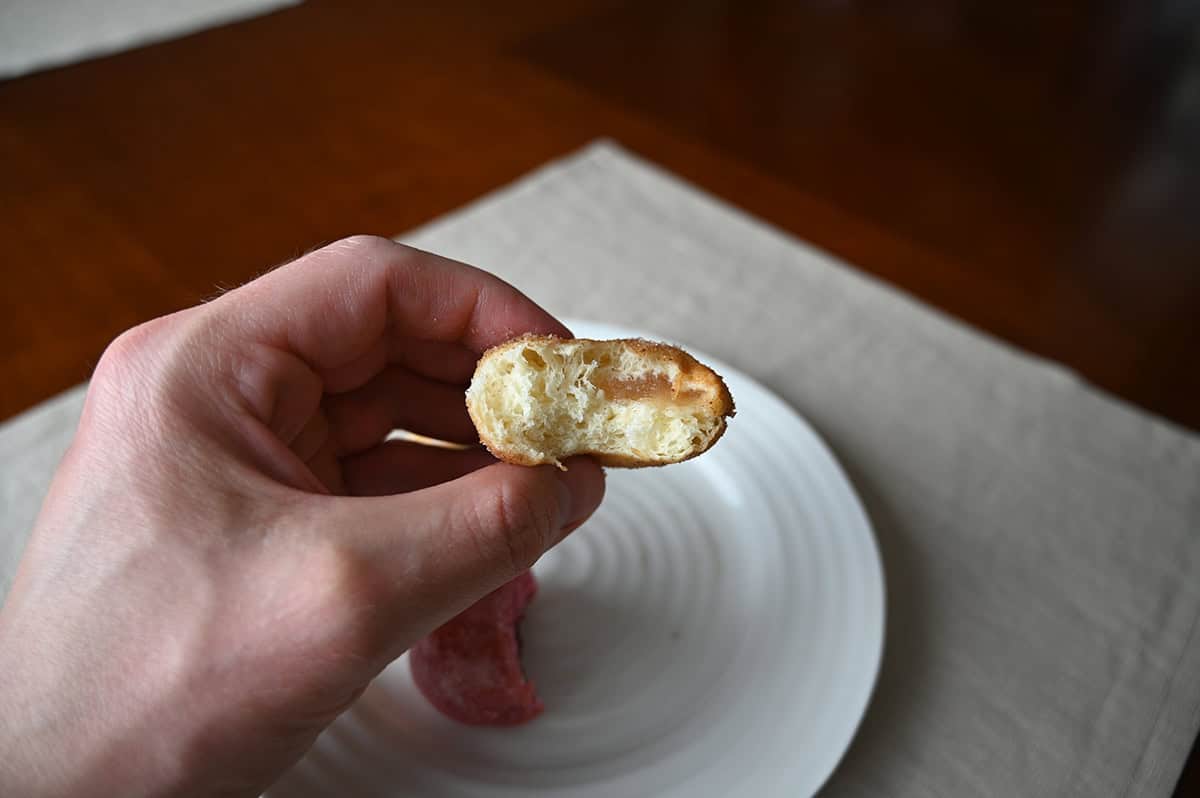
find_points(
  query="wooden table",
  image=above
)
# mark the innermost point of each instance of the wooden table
(1032, 170)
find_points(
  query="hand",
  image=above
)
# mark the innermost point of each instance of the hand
(230, 551)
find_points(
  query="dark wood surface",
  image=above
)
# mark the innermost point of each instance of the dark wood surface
(1033, 169)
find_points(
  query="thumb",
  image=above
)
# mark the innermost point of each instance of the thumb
(494, 523)
(444, 547)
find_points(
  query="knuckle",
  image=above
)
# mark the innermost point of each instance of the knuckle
(126, 351)
(122, 417)
(149, 369)
(367, 246)
(376, 254)
(129, 373)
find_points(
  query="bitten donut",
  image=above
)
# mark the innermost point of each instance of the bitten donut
(629, 403)
(470, 667)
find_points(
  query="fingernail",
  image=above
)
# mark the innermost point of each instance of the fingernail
(581, 488)
(569, 528)
(566, 503)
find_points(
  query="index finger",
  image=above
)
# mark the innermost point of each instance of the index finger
(342, 303)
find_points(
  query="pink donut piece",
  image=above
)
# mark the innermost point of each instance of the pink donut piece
(470, 667)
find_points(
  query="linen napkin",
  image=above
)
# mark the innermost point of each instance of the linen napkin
(38, 34)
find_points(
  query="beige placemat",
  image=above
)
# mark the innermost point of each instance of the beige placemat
(1041, 540)
(39, 34)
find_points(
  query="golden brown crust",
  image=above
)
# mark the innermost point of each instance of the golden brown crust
(691, 373)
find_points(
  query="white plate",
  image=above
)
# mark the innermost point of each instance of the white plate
(715, 630)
